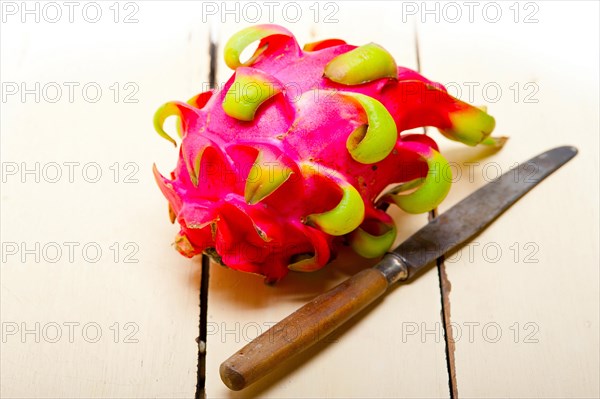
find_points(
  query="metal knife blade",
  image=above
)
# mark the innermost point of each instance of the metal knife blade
(443, 234)
(473, 214)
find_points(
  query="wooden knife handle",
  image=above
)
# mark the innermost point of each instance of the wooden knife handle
(302, 329)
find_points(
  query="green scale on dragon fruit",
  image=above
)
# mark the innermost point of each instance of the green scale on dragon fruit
(289, 160)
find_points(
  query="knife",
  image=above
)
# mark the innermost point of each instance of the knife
(442, 235)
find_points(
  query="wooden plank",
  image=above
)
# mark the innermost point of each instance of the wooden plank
(524, 296)
(154, 355)
(164, 54)
(388, 339)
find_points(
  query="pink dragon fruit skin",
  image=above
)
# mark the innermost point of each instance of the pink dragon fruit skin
(289, 159)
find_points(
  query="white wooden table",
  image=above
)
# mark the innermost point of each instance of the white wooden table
(96, 303)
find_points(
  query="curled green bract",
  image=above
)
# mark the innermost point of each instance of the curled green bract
(496, 142)
(310, 261)
(470, 125)
(309, 264)
(172, 108)
(194, 169)
(347, 215)
(375, 141)
(370, 245)
(322, 44)
(266, 175)
(433, 189)
(248, 91)
(239, 41)
(305, 263)
(361, 65)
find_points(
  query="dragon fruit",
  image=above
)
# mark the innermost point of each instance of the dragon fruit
(294, 155)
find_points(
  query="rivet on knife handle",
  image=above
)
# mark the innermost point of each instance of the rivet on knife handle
(323, 315)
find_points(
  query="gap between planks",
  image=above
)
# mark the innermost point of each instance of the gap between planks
(444, 282)
(205, 273)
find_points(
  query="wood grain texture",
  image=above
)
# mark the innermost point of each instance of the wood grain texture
(544, 301)
(524, 294)
(242, 307)
(122, 326)
(302, 329)
(372, 355)
(164, 54)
